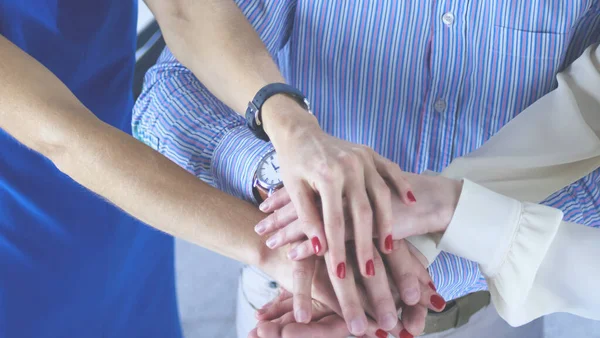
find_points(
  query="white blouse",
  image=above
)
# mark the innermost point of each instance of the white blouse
(534, 263)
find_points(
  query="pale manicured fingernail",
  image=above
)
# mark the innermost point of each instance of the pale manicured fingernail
(263, 206)
(301, 316)
(260, 228)
(272, 241)
(411, 295)
(358, 326)
(388, 321)
(292, 254)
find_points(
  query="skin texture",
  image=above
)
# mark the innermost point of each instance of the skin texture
(411, 293)
(40, 112)
(338, 169)
(439, 197)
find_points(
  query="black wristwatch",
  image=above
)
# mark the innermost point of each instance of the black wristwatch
(253, 113)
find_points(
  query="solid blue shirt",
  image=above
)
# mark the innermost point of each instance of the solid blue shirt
(72, 265)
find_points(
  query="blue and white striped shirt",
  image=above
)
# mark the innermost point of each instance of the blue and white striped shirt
(420, 81)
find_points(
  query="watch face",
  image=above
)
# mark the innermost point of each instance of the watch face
(268, 171)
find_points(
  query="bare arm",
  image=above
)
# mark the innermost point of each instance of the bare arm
(216, 42)
(40, 112)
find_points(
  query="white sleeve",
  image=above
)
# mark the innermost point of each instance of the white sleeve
(534, 263)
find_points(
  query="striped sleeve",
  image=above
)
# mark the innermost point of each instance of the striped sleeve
(177, 116)
(580, 201)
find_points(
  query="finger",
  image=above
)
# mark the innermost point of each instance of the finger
(333, 217)
(304, 199)
(269, 330)
(404, 272)
(349, 300)
(284, 294)
(277, 200)
(431, 299)
(301, 251)
(303, 273)
(395, 178)
(253, 333)
(286, 319)
(424, 277)
(398, 331)
(413, 319)
(289, 234)
(329, 327)
(362, 220)
(274, 310)
(381, 199)
(380, 296)
(278, 219)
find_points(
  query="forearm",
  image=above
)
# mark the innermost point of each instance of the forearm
(218, 44)
(215, 40)
(40, 112)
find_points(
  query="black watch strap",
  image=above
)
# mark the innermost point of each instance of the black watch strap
(253, 113)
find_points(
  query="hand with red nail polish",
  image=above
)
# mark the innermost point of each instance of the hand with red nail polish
(438, 197)
(284, 226)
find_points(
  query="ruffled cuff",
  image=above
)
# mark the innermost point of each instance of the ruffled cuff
(507, 238)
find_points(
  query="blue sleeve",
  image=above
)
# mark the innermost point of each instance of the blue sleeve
(177, 115)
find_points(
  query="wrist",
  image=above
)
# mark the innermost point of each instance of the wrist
(283, 117)
(271, 261)
(450, 196)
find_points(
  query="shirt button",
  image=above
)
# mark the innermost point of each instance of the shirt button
(273, 285)
(448, 19)
(440, 106)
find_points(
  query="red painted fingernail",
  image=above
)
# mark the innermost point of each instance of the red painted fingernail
(370, 268)
(381, 334)
(316, 244)
(341, 270)
(411, 196)
(432, 286)
(437, 301)
(389, 243)
(406, 334)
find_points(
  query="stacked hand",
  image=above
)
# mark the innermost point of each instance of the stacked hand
(336, 191)
(409, 286)
(438, 198)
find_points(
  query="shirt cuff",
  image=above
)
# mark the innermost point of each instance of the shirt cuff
(235, 161)
(507, 238)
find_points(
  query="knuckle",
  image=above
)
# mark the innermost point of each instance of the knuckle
(351, 306)
(382, 302)
(326, 171)
(300, 274)
(336, 223)
(383, 192)
(307, 226)
(301, 298)
(282, 234)
(349, 160)
(365, 213)
(273, 220)
(364, 152)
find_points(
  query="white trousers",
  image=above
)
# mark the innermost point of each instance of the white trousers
(256, 289)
